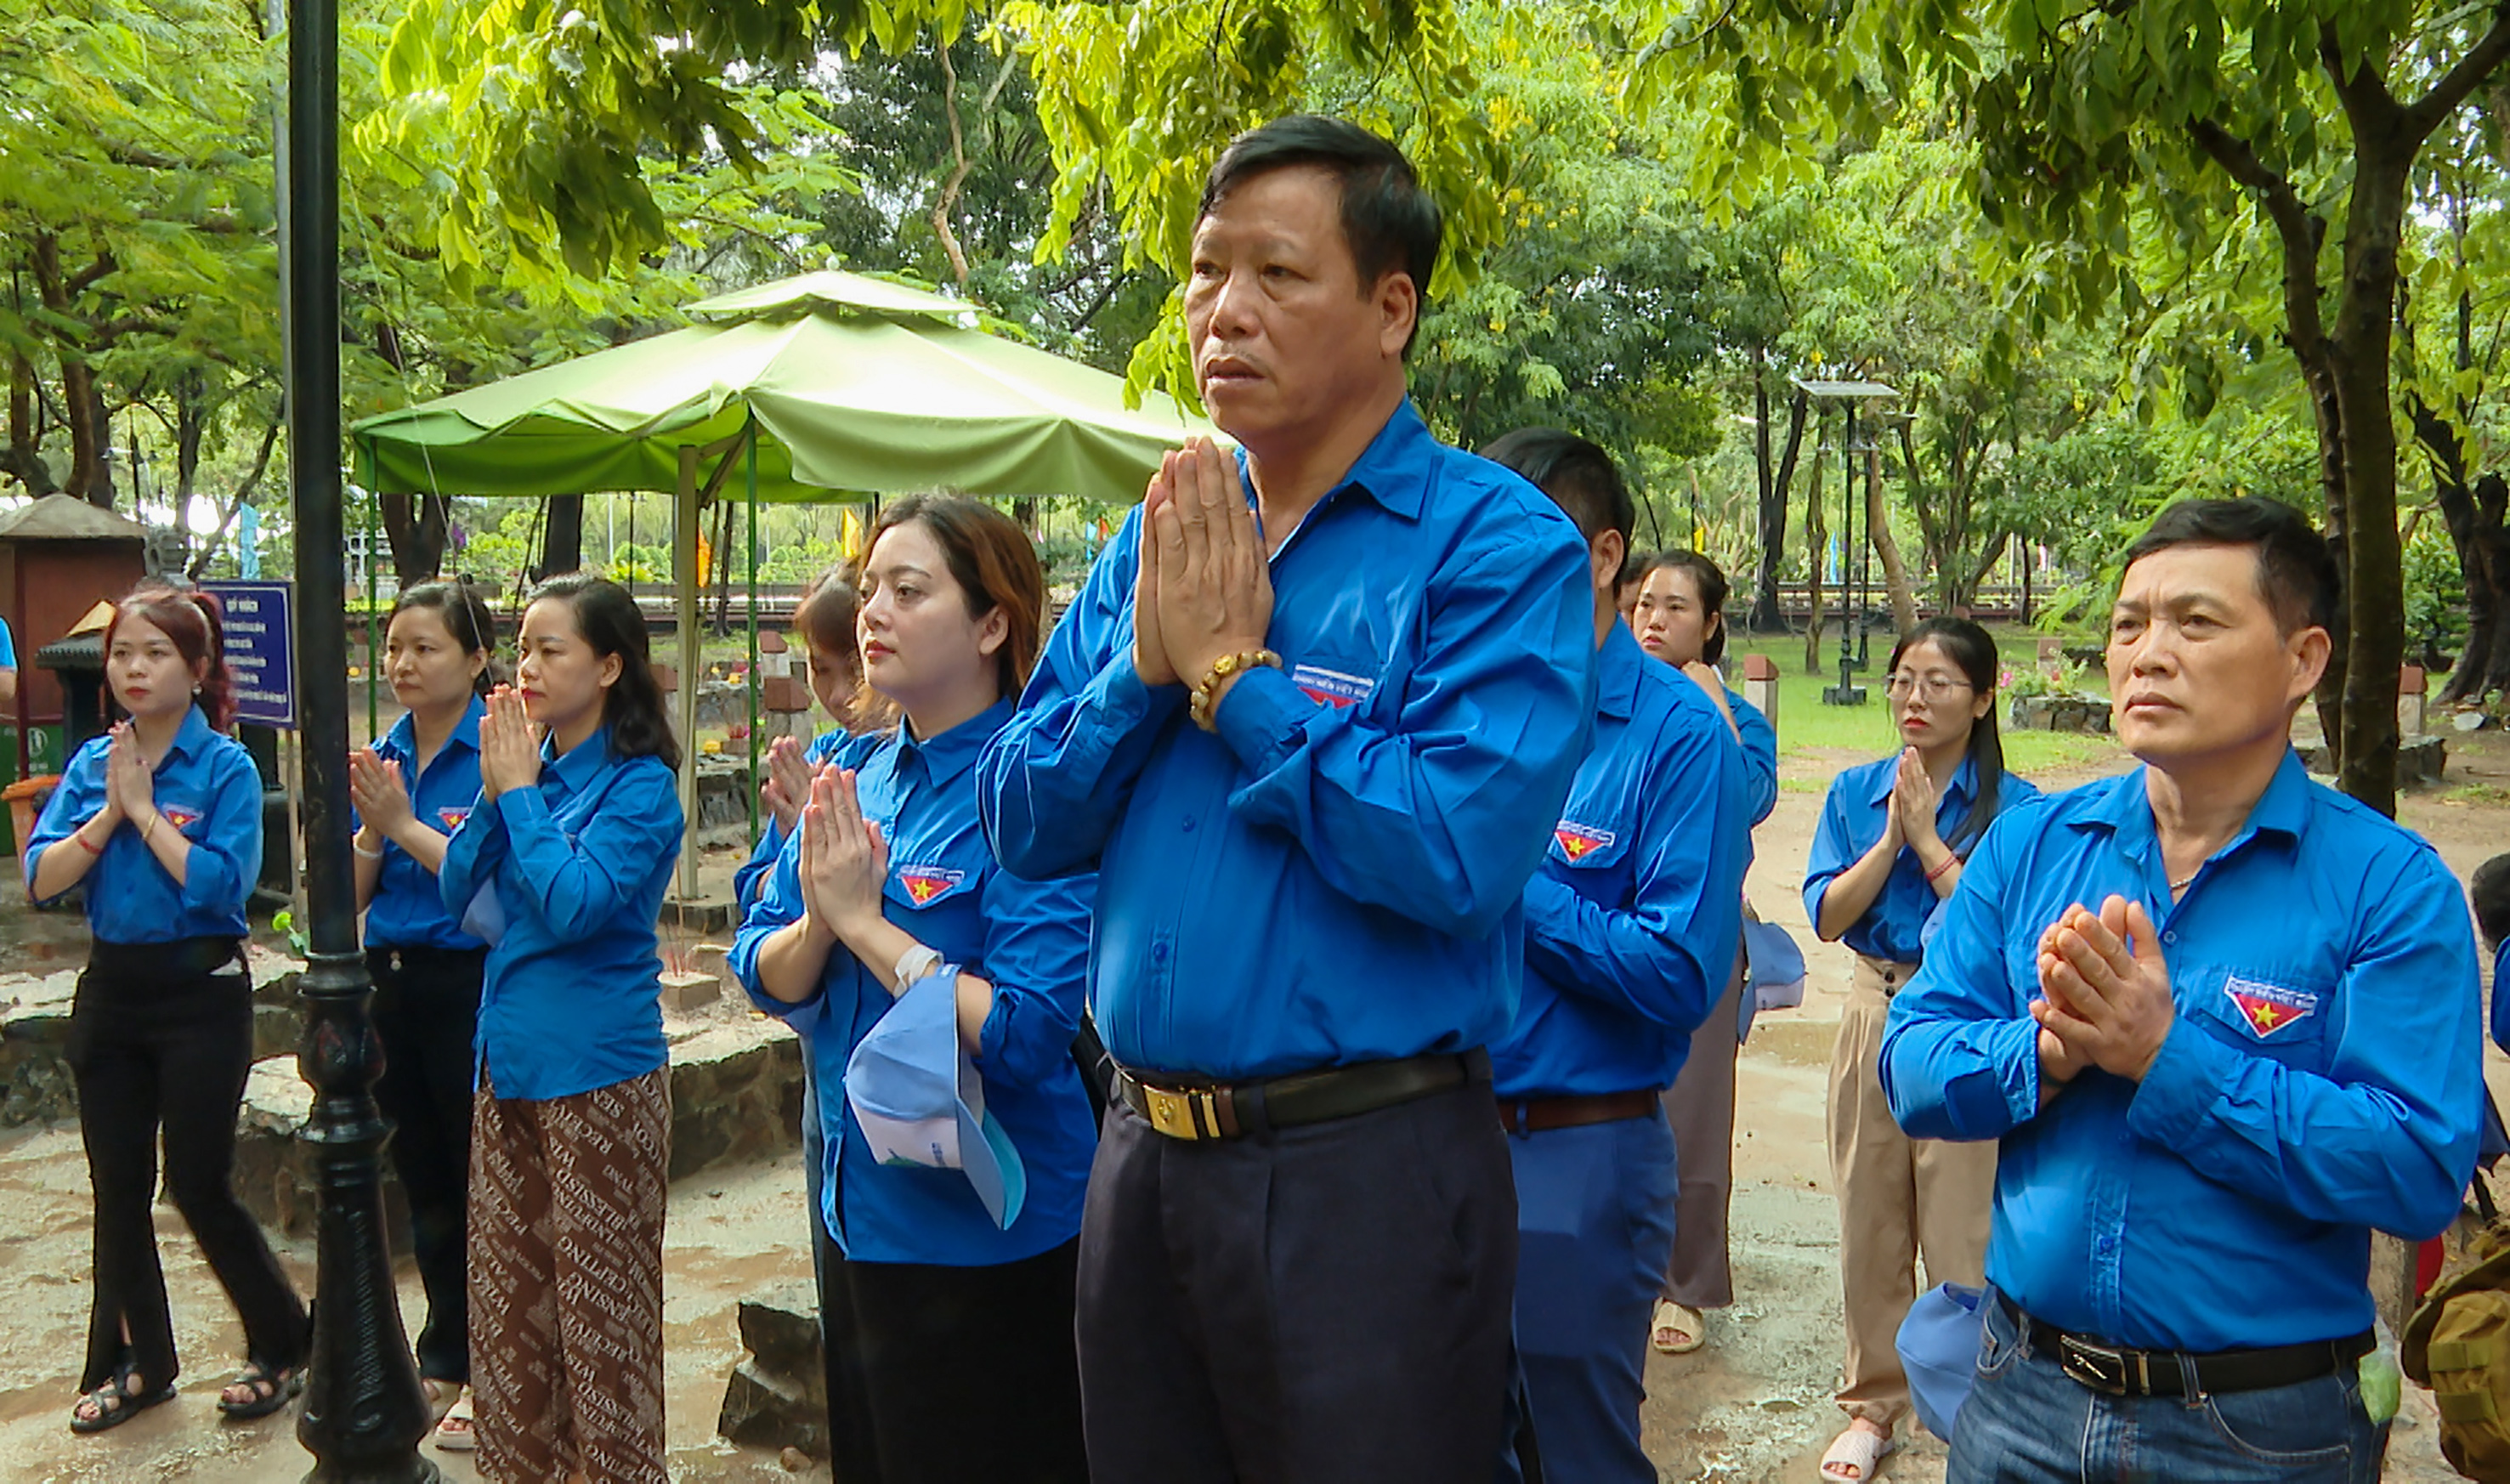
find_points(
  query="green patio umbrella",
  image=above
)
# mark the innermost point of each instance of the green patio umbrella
(829, 382)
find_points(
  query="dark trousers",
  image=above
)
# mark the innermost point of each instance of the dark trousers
(1306, 1306)
(1595, 1220)
(427, 1007)
(154, 1045)
(954, 1375)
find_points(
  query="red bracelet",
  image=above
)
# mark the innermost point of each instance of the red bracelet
(80, 835)
(1948, 862)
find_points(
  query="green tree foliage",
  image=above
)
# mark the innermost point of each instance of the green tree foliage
(2117, 138)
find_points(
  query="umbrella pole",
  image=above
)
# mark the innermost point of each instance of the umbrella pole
(684, 565)
(751, 529)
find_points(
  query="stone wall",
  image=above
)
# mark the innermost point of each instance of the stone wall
(735, 1096)
(35, 1028)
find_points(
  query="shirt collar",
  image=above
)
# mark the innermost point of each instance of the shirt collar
(2283, 808)
(193, 735)
(954, 753)
(580, 766)
(403, 740)
(1617, 667)
(1960, 791)
(1394, 469)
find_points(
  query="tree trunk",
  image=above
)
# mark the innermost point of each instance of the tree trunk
(1878, 529)
(2374, 598)
(24, 457)
(563, 541)
(90, 477)
(1815, 537)
(1767, 614)
(415, 527)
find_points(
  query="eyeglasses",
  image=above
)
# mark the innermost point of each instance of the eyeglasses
(1932, 687)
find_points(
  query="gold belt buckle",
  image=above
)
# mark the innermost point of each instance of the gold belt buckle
(1187, 1113)
(1171, 1113)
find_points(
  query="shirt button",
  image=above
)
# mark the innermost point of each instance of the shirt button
(1158, 953)
(1187, 824)
(2170, 936)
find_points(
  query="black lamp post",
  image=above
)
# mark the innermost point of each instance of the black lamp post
(1854, 655)
(364, 1414)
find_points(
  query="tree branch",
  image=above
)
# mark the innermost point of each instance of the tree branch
(242, 492)
(2302, 231)
(2481, 60)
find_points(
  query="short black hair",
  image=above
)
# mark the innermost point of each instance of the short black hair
(2489, 886)
(1389, 223)
(1578, 476)
(2295, 571)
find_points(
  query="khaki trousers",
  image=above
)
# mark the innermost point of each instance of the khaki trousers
(1700, 1106)
(1899, 1199)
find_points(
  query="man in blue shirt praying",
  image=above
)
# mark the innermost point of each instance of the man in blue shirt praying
(2224, 1022)
(1631, 928)
(1311, 718)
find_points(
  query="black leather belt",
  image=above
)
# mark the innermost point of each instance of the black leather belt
(2121, 1372)
(384, 957)
(1542, 1115)
(1191, 1108)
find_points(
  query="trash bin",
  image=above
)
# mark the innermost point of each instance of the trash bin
(45, 758)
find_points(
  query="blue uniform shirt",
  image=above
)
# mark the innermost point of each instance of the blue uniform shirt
(408, 910)
(8, 647)
(753, 873)
(1631, 920)
(573, 993)
(208, 787)
(1760, 742)
(1853, 819)
(1336, 876)
(2320, 1080)
(1028, 939)
(2500, 1000)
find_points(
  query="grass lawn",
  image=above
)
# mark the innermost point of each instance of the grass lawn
(1805, 724)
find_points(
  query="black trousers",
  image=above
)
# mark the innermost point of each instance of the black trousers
(1319, 1303)
(154, 1043)
(427, 1007)
(954, 1375)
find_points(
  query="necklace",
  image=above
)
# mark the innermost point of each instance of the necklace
(2185, 882)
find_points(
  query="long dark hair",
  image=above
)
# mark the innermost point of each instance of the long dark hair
(1709, 579)
(464, 616)
(197, 624)
(610, 621)
(1973, 649)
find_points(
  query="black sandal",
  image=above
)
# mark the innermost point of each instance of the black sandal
(115, 1403)
(274, 1387)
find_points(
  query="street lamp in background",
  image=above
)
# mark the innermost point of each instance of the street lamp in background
(1853, 654)
(364, 1414)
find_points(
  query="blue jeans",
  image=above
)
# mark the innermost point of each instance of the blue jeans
(2027, 1420)
(1594, 1230)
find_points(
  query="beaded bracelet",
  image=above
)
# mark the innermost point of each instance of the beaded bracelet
(1201, 703)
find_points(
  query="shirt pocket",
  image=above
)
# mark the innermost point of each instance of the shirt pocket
(1338, 679)
(2279, 1013)
(1589, 839)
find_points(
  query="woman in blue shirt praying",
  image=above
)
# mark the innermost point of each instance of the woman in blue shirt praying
(412, 790)
(1679, 614)
(560, 867)
(160, 820)
(1885, 854)
(949, 1331)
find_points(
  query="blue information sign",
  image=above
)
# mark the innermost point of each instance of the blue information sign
(259, 649)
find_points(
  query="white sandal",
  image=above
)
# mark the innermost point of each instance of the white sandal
(464, 1438)
(1681, 1318)
(1856, 1449)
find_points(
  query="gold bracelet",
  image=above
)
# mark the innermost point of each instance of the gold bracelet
(1199, 704)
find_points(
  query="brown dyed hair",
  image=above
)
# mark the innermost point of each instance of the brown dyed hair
(994, 563)
(197, 625)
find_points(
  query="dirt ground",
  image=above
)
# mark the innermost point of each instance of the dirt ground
(1752, 1406)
